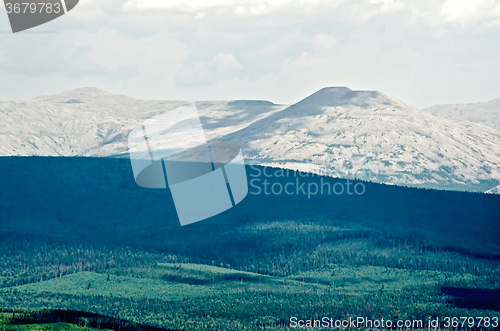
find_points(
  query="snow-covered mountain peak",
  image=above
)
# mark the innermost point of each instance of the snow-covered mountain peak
(369, 135)
(345, 97)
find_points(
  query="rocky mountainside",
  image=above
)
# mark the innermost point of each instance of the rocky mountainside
(369, 135)
(94, 122)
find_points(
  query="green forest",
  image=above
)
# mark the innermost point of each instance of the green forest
(88, 249)
(358, 277)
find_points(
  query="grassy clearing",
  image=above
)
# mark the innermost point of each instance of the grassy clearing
(209, 275)
(206, 269)
(178, 282)
(372, 278)
(90, 283)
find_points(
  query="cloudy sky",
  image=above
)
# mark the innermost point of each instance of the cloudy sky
(423, 52)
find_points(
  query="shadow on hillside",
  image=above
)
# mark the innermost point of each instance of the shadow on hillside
(80, 318)
(97, 200)
(473, 298)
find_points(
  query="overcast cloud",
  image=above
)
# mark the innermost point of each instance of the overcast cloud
(423, 52)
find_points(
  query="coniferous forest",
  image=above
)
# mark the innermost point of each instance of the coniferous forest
(83, 245)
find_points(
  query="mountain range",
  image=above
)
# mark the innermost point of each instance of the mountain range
(486, 113)
(335, 131)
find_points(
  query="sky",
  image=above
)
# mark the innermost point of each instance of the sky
(423, 52)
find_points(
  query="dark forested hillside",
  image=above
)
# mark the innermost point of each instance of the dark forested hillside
(79, 234)
(96, 199)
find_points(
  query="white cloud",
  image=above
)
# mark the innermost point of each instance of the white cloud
(226, 63)
(89, 10)
(224, 66)
(285, 43)
(422, 51)
(389, 5)
(240, 7)
(200, 15)
(184, 5)
(467, 10)
(373, 8)
(198, 74)
(324, 41)
(153, 55)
